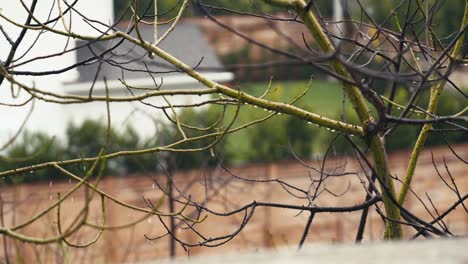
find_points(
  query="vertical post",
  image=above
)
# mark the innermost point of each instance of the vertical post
(337, 10)
(340, 15)
(268, 239)
(337, 18)
(170, 192)
(155, 26)
(2, 222)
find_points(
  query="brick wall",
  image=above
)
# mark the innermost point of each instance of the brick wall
(269, 228)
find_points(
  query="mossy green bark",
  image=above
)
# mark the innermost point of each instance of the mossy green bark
(431, 109)
(393, 228)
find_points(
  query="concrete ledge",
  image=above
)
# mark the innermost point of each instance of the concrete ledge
(424, 251)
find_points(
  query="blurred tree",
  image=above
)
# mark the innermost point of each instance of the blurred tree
(198, 122)
(33, 148)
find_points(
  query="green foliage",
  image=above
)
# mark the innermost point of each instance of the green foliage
(267, 141)
(275, 138)
(196, 122)
(244, 56)
(240, 6)
(166, 8)
(87, 139)
(83, 140)
(449, 104)
(33, 148)
(405, 135)
(445, 21)
(272, 140)
(325, 7)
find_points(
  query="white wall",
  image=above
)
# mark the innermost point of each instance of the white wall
(46, 117)
(140, 115)
(53, 118)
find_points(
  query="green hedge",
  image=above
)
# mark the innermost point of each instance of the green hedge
(274, 139)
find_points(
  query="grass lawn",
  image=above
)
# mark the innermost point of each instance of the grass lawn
(323, 97)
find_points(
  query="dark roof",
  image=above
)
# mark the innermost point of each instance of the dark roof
(186, 42)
